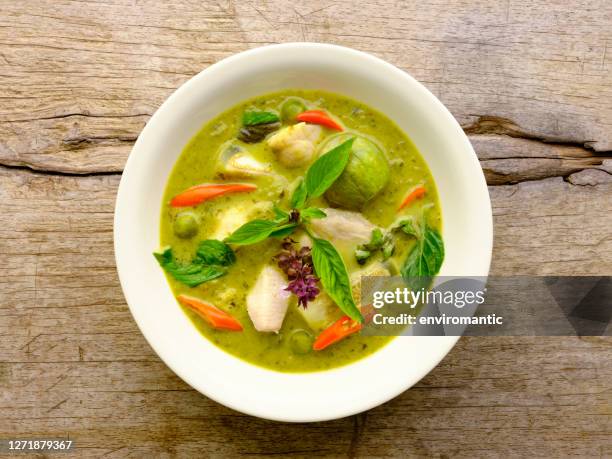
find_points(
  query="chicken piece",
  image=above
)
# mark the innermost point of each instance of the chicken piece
(232, 218)
(343, 225)
(228, 222)
(268, 300)
(294, 145)
(235, 162)
(243, 165)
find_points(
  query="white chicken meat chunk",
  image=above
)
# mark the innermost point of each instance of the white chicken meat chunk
(343, 225)
(242, 165)
(295, 145)
(236, 162)
(268, 300)
(232, 218)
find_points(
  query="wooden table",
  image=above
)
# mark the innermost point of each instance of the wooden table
(530, 81)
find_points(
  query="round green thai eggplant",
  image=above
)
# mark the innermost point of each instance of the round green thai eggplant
(365, 175)
(186, 225)
(291, 108)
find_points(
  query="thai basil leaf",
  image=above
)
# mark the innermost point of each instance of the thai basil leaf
(424, 260)
(279, 214)
(258, 230)
(191, 274)
(213, 252)
(300, 194)
(312, 212)
(285, 230)
(196, 274)
(164, 256)
(252, 232)
(327, 168)
(332, 272)
(254, 118)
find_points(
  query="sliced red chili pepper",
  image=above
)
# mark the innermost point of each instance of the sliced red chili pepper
(319, 117)
(415, 194)
(340, 329)
(200, 193)
(212, 314)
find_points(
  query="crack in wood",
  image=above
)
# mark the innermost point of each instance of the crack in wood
(30, 168)
(359, 426)
(26, 346)
(589, 177)
(493, 177)
(496, 125)
(60, 379)
(501, 166)
(56, 406)
(80, 140)
(75, 114)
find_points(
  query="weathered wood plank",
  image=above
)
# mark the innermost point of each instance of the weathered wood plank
(79, 79)
(551, 227)
(508, 155)
(75, 363)
(490, 395)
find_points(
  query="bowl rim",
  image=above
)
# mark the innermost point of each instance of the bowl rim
(393, 388)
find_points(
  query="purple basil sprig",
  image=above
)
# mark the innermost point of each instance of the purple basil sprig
(297, 265)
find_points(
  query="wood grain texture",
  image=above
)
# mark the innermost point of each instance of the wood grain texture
(529, 81)
(80, 79)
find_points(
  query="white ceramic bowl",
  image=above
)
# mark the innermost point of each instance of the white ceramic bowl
(318, 396)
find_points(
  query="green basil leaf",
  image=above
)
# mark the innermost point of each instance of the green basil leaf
(279, 214)
(424, 260)
(253, 118)
(312, 212)
(191, 274)
(332, 272)
(253, 232)
(300, 194)
(164, 255)
(284, 231)
(213, 252)
(195, 274)
(327, 168)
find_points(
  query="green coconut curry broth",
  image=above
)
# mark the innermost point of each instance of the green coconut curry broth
(198, 164)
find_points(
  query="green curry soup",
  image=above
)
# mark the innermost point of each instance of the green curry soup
(272, 146)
